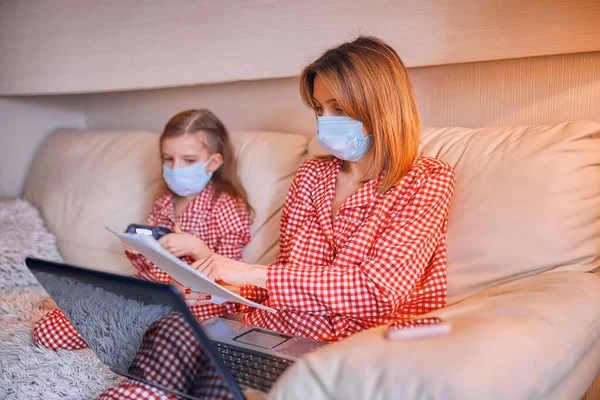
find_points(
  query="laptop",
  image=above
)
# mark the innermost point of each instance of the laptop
(113, 312)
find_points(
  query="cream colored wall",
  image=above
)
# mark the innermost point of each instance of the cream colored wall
(272, 104)
(540, 90)
(83, 45)
(530, 91)
(76, 46)
(24, 123)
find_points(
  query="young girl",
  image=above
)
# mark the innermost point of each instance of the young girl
(362, 233)
(206, 208)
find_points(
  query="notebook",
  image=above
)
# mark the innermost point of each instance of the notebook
(181, 271)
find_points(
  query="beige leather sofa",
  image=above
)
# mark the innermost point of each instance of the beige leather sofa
(523, 249)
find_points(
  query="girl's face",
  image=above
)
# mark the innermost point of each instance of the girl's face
(186, 150)
(325, 104)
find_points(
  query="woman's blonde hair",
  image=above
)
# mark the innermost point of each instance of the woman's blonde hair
(224, 179)
(369, 81)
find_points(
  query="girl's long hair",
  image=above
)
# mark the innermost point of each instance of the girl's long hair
(191, 122)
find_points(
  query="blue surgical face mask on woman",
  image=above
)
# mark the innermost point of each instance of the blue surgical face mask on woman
(342, 137)
(187, 181)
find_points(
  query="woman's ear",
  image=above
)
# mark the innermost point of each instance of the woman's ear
(216, 160)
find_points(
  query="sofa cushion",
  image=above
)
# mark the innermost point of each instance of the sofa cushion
(519, 340)
(83, 180)
(527, 200)
(267, 164)
(314, 148)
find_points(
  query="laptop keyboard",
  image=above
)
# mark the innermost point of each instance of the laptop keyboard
(249, 369)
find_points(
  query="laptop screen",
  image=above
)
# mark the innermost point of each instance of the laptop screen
(138, 329)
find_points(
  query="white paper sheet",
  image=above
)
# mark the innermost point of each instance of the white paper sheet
(181, 271)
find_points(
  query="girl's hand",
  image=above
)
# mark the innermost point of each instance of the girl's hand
(182, 244)
(129, 249)
(220, 268)
(191, 298)
(48, 304)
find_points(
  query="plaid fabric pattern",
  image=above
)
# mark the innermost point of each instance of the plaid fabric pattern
(132, 390)
(382, 259)
(55, 331)
(222, 223)
(170, 356)
(414, 323)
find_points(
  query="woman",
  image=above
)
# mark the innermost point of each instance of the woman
(362, 232)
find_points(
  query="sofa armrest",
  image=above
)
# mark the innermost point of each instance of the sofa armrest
(517, 340)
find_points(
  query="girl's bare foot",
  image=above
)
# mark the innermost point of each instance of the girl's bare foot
(48, 304)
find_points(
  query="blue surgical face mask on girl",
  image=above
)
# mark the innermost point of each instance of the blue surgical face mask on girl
(187, 181)
(342, 137)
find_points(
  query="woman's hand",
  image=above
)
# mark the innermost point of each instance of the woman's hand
(191, 298)
(220, 268)
(182, 244)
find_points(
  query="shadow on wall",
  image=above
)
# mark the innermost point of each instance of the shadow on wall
(26, 121)
(272, 105)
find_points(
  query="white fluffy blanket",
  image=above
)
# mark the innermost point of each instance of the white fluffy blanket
(26, 371)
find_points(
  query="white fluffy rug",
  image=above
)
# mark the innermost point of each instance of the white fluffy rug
(22, 234)
(26, 371)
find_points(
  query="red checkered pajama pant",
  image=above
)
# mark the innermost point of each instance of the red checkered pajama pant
(55, 331)
(170, 357)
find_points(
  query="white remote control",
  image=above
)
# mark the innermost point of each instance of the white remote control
(419, 332)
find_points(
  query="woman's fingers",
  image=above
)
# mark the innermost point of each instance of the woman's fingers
(208, 271)
(192, 298)
(188, 293)
(197, 302)
(202, 263)
(213, 275)
(206, 266)
(196, 296)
